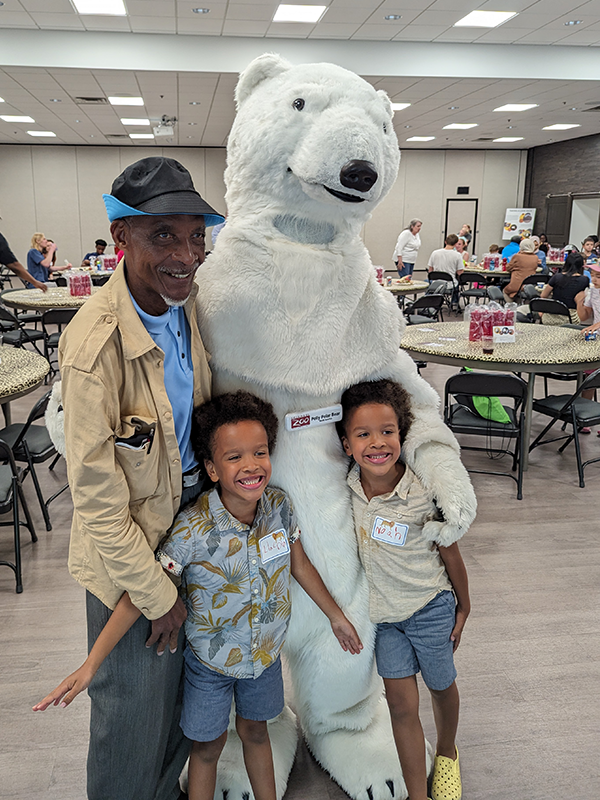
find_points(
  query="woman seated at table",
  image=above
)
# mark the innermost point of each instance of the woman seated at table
(565, 286)
(461, 248)
(40, 259)
(521, 265)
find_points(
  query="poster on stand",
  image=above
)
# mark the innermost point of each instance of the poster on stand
(518, 222)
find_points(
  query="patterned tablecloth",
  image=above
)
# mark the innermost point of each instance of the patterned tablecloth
(406, 287)
(36, 300)
(20, 372)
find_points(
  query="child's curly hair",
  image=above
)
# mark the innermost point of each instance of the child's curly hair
(384, 392)
(228, 409)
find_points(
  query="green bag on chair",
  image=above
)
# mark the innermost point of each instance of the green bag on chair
(488, 407)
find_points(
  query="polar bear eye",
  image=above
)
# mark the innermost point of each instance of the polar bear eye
(385, 128)
(298, 104)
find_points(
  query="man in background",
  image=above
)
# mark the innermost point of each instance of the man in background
(99, 251)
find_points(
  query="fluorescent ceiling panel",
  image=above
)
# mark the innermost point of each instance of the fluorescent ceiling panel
(400, 106)
(41, 133)
(460, 126)
(286, 13)
(126, 101)
(516, 107)
(10, 118)
(485, 19)
(133, 121)
(560, 127)
(141, 136)
(2, 100)
(421, 139)
(115, 8)
(509, 139)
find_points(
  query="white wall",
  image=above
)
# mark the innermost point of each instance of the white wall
(427, 178)
(584, 218)
(58, 191)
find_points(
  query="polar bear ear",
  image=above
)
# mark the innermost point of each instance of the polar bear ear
(266, 66)
(386, 102)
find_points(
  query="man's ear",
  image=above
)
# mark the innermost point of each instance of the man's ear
(211, 471)
(119, 230)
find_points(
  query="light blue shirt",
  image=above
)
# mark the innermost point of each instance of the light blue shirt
(171, 332)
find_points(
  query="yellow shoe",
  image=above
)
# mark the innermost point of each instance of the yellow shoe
(446, 783)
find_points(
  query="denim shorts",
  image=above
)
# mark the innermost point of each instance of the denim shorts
(207, 698)
(420, 643)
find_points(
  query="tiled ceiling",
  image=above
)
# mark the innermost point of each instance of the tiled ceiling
(203, 103)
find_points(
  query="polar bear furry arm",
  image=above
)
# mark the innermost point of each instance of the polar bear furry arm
(431, 450)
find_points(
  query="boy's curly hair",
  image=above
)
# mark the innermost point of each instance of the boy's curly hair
(228, 409)
(384, 392)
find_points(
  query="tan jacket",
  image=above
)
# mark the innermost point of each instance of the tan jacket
(124, 500)
(521, 266)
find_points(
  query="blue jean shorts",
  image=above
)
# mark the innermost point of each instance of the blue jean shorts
(420, 643)
(207, 698)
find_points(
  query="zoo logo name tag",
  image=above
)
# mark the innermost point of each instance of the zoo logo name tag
(389, 532)
(274, 545)
(312, 419)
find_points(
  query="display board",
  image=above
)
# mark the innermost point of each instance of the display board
(518, 222)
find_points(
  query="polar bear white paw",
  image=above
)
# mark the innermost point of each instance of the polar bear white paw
(232, 778)
(364, 763)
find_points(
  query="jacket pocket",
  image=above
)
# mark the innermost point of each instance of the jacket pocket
(138, 456)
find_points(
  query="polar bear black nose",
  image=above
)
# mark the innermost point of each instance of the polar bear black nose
(359, 175)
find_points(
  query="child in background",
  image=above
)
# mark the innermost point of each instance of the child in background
(418, 590)
(234, 549)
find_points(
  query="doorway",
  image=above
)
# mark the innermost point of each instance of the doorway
(457, 213)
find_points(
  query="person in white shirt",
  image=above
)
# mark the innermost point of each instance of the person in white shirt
(407, 248)
(447, 259)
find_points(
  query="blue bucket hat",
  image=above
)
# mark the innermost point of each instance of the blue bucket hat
(157, 186)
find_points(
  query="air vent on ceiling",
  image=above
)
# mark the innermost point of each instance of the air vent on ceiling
(595, 108)
(484, 139)
(117, 136)
(91, 101)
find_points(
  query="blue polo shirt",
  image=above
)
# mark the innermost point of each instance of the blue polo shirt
(171, 332)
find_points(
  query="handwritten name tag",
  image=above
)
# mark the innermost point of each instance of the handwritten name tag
(389, 532)
(274, 545)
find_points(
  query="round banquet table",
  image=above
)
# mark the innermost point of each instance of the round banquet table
(407, 287)
(538, 349)
(21, 371)
(36, 300)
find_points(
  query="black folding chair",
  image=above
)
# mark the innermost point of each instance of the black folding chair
(574, 410)
(430, 307)
(533, 280)
(11, 492)
(61, 318)
(32, 444)
(544, 305)
(460, 416)
(468, 288)
(496, 294)
(15, 333)
(449, 291)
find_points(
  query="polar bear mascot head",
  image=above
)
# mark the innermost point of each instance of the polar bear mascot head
(312, 148)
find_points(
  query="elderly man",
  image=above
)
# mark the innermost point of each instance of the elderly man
(133, 367)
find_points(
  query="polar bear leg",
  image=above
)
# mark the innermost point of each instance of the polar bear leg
(232, 778)
(364, 763)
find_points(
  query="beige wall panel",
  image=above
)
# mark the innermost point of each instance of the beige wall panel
(381, 231)
(97, 167)
(17, 204)
(502, 189)
(424, 200)
(56, 193)
(464, 168)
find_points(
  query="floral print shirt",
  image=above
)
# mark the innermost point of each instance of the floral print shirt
(235, 580)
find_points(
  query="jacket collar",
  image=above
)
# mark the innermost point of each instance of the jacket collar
(135, 337)
(400, 490)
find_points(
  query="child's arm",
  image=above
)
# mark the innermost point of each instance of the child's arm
(120, 621)
(310, 580)
(457, 572)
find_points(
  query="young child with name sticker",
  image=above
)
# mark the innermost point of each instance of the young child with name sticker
(234, 550)
(418, 591)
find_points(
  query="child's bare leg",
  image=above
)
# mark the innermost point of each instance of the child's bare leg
(258, 757)
(402, 695)
(202, 771)
(446, 706)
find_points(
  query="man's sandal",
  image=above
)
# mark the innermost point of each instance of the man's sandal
(446, 783)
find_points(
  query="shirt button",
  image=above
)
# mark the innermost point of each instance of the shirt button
(108, 319)
(167, 415)
(159, 364)
(255, 619)
(176, 461)
(254, 561)
(255, 591)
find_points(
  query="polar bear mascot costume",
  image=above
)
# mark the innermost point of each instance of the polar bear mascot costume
(289, 309)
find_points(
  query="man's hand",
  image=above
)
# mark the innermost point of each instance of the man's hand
(165, 629)
(38, 285)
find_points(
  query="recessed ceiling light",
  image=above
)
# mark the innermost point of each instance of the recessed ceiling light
(195, 103)
(126, 101)
(574, 22)
(393, 16)
(407, 126)
(77, 120)
(509, 139)
(55, 100)
(133, 121)
(141, 136)
(421, 139)
(201, 10)
(12, 118)
(460, 126)
(560, 127)
(453, 108)
(485, 19)
(516, 107)
(103, 7)
(286, 13)
(509, 127)
(192, 123)
(41, 133)
(2, 100)
(400, 106)
(572, 109)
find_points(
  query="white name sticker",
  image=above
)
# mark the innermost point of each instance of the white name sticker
(312, 419)
(389, 532)
(504, 333)
(274, 545)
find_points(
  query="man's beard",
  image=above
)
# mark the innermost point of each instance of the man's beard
(174, 303)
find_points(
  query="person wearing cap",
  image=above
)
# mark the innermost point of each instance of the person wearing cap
(133, 367)
(99, 251)
(509, 250)
(9, 259)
